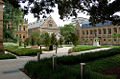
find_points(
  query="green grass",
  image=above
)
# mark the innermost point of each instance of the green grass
(86, 47)
(6, 56)
(69, 66)
(22, 51)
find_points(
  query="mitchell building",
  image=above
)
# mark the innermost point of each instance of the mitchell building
(21, 30)
(44, 25)
(104, 32)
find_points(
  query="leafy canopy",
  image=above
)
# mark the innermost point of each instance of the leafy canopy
(99, 10)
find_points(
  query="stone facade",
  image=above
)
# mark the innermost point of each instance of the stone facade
(104, 33)
(21, 31)
(44, 25)
(1, 26)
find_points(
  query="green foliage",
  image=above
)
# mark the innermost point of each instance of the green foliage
(27, 41)
(34, 37)
(61, 41)
(74, 39)
(14, 16)
(53, 39)
(46, 39)
(84, 47)
(71, 60)
(85, 41)
(69, 67)
(66, 31)
(6, 56)
(109, 39)
(22, 51)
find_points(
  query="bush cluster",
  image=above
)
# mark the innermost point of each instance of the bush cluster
(68, 67)
(22, 51)
(6, 56)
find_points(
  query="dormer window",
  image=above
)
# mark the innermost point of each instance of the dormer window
(50, 24)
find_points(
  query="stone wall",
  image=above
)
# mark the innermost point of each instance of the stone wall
(85, 34)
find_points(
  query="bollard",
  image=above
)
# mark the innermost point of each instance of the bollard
(82, 70)
(56, 49)
(54, 62)
(38, 56)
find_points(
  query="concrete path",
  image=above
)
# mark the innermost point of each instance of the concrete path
(9, 69)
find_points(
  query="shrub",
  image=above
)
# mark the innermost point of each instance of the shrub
(84, 47)
(7, 56)
(70, 60)
(22, 51)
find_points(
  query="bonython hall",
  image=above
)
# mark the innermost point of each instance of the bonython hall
(103, 31)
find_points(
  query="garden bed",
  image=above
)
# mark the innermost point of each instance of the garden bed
(68, 66)
(85, 47)
(22, 51)
(6, 56)
(115, 71)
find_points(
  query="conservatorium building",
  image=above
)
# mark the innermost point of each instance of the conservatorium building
(105, 33)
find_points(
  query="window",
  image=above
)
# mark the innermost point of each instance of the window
(99, 31)
(104, 39)
(50, 23)
(16, 35)
(24, 28)
(115, 30)
(20, 35)
(95, 32)
(104, 31)
(87, 32)
(109, 31)
(23, 36)
(115, 40)
(83, 32)
(16, 27)
(90, 31)
(19, 27)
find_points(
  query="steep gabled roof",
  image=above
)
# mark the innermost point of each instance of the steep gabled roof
(1, 2)
(39, 23)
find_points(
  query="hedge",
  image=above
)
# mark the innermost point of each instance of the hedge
(6, 56)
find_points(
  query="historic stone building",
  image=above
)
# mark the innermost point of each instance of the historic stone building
(21, 31)
(104, 32)
(44, 25)
(1, 26)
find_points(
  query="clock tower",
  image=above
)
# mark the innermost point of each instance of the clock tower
(1, 27)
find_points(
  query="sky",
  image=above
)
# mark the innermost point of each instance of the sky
(55, 16)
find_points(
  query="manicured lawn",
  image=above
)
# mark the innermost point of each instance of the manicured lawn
(6, 56)
(68, 67)
(86, 47)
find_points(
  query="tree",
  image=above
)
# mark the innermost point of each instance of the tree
(99, 10)
(85, 41)
(74, 39)
(46, 39)
(115, 35)
(53, 39)
(27, 41)
(14, 16)
(60, 41)
(34, 38)
(66, 31)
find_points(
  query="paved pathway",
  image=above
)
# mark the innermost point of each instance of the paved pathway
(9, 69)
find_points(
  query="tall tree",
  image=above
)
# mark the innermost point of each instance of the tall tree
(66, 31)
(14, 16)
(99, 10)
